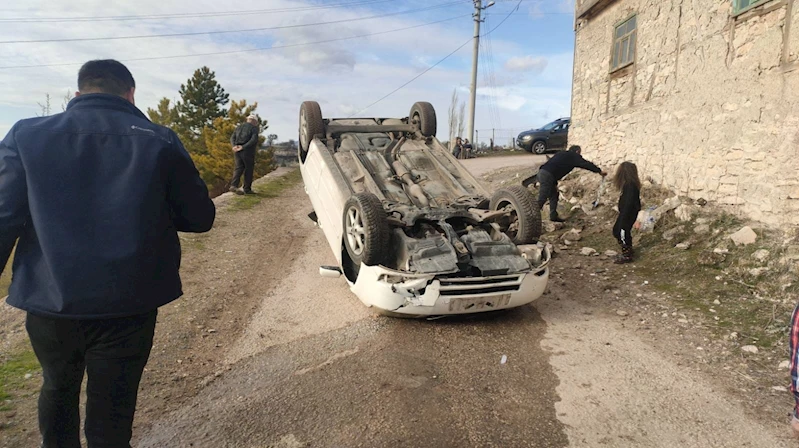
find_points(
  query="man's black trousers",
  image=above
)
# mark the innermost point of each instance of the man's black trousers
(548, 191)
(113, 352)
(245, 164)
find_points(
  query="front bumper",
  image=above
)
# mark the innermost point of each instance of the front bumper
(430, 295)
(525, 144)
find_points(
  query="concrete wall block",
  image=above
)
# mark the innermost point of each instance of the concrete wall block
(734, 155)
(729, 180)
(759, 156)
(730, 119)
(732, 200)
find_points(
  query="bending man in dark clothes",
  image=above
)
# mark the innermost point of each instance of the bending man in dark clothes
(554, 170)
(244, 142)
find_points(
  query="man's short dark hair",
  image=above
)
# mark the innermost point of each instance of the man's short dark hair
(575, 148)
(105, 76)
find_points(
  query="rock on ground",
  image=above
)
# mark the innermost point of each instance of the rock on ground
(702, 229)
(744, 237)
(587, 251)
(709, 258)
(551, 226)
(749, 349)
(761, 255)
(670, 234)
(685, 212)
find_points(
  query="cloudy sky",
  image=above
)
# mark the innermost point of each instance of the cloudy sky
(524, 80)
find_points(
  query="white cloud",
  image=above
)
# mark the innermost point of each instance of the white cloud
(528, 64)
(343, 76)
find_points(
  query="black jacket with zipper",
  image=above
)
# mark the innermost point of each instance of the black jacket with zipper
(564, 162)
(245, 135)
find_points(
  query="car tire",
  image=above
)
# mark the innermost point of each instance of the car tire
(311, 125)
(539, 147)
(524, 226)
(425, 115)
(366, 231)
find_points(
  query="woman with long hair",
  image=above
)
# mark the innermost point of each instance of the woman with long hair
(627, 181)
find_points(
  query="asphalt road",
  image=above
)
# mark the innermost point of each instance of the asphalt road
(482, 165)
(317, 368)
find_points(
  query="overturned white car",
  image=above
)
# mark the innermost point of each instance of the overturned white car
(414, 233)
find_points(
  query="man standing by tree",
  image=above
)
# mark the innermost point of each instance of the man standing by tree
(244, 142)
(95, 217)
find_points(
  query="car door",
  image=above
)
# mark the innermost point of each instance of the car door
(327, 193)
(558, 136)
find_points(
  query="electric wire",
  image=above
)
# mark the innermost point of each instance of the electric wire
(246, 50)
(437, 63)
(203, 33)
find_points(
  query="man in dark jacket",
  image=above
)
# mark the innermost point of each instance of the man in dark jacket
(93, 198)
(244, 142)
(553, 171)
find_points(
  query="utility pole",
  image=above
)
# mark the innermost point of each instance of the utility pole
(478, 12)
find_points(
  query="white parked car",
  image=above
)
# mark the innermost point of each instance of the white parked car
(413, 232)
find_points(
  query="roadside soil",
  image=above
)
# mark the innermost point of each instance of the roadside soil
(222, 272)
(261, 352)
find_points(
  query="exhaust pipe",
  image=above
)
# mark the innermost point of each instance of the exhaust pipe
(414, 188)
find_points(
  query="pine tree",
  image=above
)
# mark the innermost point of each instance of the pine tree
(165, 115)
(201, 102)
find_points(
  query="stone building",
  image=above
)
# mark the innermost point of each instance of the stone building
(702, 94)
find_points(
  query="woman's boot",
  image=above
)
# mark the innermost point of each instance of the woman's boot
(626, 255)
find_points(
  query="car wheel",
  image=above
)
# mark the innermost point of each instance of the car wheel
(425, 116)
(366, 230)
(523, 226)
(539, 147)
(311, 125)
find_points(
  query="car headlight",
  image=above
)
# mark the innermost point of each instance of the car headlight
(527, 137)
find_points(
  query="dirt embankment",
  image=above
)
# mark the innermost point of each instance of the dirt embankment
(719, 308)
(644, 354)
(222, 273)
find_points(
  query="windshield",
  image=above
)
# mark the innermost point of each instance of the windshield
(550, 126)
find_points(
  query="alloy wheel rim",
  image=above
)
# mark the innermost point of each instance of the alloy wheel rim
(356, 234)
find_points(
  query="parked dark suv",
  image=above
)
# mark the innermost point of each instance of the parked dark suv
(551, 136)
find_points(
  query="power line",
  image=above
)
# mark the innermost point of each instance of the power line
(247, 50)
(415, 77)
(185, 15)
(210, 14)
(199, 33)
(437, 63)
(492, 75)
(487, 82)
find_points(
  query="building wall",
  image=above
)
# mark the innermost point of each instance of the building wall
(710, 108)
